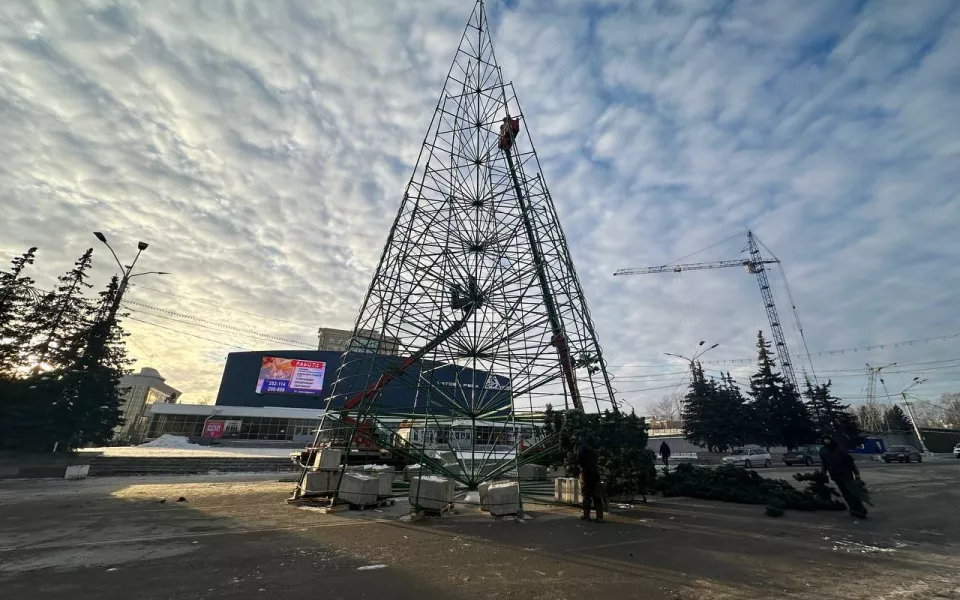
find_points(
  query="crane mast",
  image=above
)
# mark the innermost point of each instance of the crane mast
(780, 342)
(754, 265)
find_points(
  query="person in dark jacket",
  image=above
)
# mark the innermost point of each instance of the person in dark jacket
(590, 480)
(843, 470)
(665, 454)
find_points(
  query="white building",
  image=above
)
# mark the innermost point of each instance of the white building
(141, 391)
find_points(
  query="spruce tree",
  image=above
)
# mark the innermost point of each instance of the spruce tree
(897, 420)
(60, 319)
(15, 300)
(706, 416)
(92, 388)
(736, 419)
(831, 416)
(693, 408)
(779, 415)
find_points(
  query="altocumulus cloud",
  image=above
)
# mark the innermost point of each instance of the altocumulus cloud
(262, 147)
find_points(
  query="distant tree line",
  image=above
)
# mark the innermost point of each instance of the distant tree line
(717, 414)
(61, 359)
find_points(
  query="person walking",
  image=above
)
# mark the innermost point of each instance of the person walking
(590, 479)
(841, 467)
(665, 454)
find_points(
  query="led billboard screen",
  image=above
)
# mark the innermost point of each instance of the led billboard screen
(290, 376)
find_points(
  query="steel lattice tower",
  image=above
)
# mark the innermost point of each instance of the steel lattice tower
(475, 292)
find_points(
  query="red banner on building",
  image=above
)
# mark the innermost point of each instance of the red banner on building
(213, 429)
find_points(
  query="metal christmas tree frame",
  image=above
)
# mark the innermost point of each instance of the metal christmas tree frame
(475, 293)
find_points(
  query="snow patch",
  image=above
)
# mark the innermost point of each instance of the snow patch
(170, 441)
(850, 546)
(371, 567)
(434, 478)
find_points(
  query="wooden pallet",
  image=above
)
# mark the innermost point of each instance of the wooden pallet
(325, 503)
(378, 504)
(305, 499)
(437, 513)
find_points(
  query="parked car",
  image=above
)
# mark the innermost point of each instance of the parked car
(804, 455)
(748, 457)
(956, 450)
(902, 454)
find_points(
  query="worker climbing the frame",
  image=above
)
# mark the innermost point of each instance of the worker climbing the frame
(590, 479)
(508, 131)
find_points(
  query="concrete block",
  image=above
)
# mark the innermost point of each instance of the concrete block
(482, 489)
(376, 469)
(327, 458)
(411, 471)
(431, 492)
(504, 498)
(320, 482)
(567, 490)
(447, 458)
(359, 489)
(77, 472)
(386, 483)
(532, 472)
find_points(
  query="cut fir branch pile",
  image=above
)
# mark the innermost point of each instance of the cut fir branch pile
(734, 484)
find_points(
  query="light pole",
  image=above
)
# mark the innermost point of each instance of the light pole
(127, 271)
(909, 405)
(698, 351)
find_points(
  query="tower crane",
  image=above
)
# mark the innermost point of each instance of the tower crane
(755, 265)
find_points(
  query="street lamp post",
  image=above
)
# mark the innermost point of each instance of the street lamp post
(909, 405)
(697, 353)
(127, 271)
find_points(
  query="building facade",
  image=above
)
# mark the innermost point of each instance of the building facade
(338, 340)
(273, 424)
(141, 391)
(280, 395)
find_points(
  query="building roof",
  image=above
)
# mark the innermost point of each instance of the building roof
(150, 377)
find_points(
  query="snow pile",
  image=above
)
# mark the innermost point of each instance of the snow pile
(151, 449)
(171, 441)
(434, 478)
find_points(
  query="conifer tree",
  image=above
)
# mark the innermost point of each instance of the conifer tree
(92, 387)
(15, 299)
(735, 411)
(831, 416)
(779, 415)
(705, 413)
(897, 420)
(60, 319)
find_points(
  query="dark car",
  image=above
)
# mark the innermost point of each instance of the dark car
(902, 454)
(804, 455)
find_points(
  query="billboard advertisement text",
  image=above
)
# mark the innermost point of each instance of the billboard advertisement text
(290, 376)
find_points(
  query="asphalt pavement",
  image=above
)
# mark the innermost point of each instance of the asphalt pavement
(234, 538)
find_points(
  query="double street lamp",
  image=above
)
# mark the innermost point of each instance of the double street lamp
(127, 271)
(698, 351)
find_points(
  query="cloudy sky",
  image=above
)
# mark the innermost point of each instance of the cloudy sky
(262, 148)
